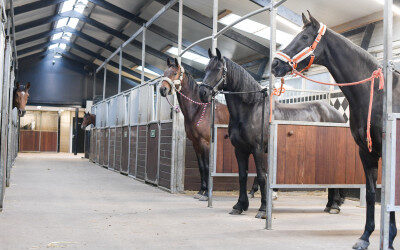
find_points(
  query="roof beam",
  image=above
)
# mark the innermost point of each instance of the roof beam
(82, 49)
(282, 11)
(195, 72)
(236, 36)
(89, 39)
(367, 36)
(360, 22)
(153, 28)
(35, 6)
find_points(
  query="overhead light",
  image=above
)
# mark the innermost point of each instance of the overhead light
(67, 6)
(80, 6)
(53, 46)
(62, 22)
(62, 46)
(67, 36)
(57, 36)
(139, 68)
(256, 28)
(189, 55)
(73, 22)
(395, 8)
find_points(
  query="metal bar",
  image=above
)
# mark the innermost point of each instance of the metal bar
(76, 131)
(13, 34)
(247, 16)
(180, 30)
(160, 12)
(120, 71)
(194, 44)
(321, 124)
(271, 162)
(387, 110)
(143, 54)
(104, 83)
(3, 8)
(283, 12)
(211, 153)
(94, 85)
(214, 43)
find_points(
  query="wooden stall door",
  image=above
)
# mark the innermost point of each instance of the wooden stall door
(98, 152)
(29, 141)
(133, 148)
(111, 153)
(164, 172)
(102, 146)
(48, 141)
(152, 153)
(105, 147)
(91, 152)
(142, 152)
(118, 149)
(125, 150)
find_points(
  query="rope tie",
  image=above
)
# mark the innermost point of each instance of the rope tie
(204, 104)
(276, 92)
(377, 74)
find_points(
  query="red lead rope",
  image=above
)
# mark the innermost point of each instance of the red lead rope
(376, 74)
(204, 104)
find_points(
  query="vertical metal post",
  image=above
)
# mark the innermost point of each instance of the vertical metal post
(214, 41)
(180, 18)
(94, 85)
(120, 71)
(143, 53)
(387, 130)
(104, 82)
(76, 131)
(272, 23)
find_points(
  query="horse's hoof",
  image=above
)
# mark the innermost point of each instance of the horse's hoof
(361, 245)
(274, 195)
(327, 209)
(261, 214)
(197, 196)
(203, 198)
(334, 211)
(236, 211)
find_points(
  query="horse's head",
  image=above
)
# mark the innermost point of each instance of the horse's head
(20, 98)
(303, 41)
(87, 120)
(172, 79)
(214, 77)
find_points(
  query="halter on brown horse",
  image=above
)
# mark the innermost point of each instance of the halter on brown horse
(20, 97)
(88, 119)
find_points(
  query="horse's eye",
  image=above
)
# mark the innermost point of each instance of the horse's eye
(304, 37)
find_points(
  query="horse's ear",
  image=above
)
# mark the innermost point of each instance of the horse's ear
(28, 86)
(177, 63)
(218, 54)
(313, 20)
(168, 62)
(210, 55)
(305, 20)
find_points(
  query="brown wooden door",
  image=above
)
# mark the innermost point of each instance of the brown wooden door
(101, 155)
(133, 148)
(152, 153)
(164, 171)
(118, 148)
(29, 141)
(141, 152)
(105, 147)
(125, 150)
(111, 153)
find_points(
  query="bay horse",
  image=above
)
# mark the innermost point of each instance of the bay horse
(20, 97)
(88, 119)
(348, 62)
(246, 118)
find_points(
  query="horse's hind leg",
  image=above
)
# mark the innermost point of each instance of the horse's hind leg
(201, 170)
(330, 200)
(261, 174)
(370, 165)
(243, 202)
(392, 229)
(336, 201)
(204, 179)
(254, 188)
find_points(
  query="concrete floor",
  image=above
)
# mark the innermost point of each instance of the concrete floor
(62, 201)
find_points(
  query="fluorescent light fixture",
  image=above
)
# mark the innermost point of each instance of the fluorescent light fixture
(62, 22)
(53, 46)
(67, 6)
(395, 8)
(73, 22)
(256, 28)
(62, 46)
(189, 55)
(57, 36)
(139, 68)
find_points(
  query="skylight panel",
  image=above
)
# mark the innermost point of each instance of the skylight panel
(57, 36)
(62, 22)
(189, 55)
(67, 36)
(62, 46)
(147, 71)
(73, 22)
(53, 46)
(80, 6)
(67, 6)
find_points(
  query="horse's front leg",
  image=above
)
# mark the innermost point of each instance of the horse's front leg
(254, 188)
(204, 180)
(261, 174)
(335, 200)
(370, 165)
(201, 170)
(243, 162)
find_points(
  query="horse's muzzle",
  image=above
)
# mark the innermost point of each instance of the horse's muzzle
(205, 94)
(163, 91)
(280, 68)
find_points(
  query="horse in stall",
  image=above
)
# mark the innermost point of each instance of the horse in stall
(349, 63)
(197, 123)
(20, 97)
(245, 127)
(88, 119)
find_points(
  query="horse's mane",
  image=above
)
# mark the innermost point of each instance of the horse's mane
(239, 80)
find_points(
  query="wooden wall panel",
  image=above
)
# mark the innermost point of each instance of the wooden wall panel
(29, 141)
(118, 148)
(317, 155)
(142, 152)
(98, 137)
(125, 150)
(111, 152)
(102, 146)
(48, 141)
(133, 148)
(164, 178)
(152, 153)
(106, 146)
(91, 152)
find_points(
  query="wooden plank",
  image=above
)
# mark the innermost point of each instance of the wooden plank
(48, 141)
(29, 141)
(132, 153)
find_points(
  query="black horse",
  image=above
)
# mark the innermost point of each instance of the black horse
(348, 62)
(245, 121)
